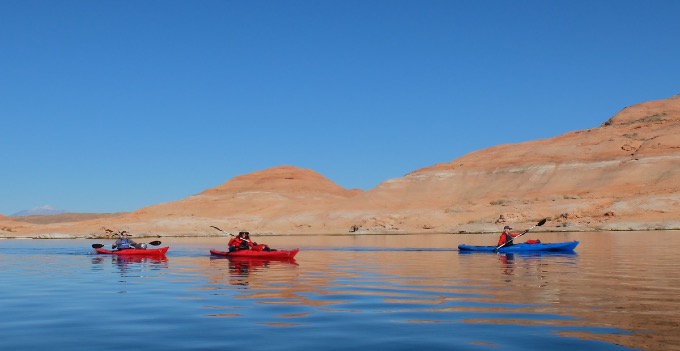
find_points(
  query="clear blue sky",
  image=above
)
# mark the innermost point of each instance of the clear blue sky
(111, 106)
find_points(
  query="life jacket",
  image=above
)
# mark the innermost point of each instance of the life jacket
(505, 239)
(124, 244)
(238, 244)
(244, 244)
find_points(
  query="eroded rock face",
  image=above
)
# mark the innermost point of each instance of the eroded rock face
(629, 166)
(624, 174)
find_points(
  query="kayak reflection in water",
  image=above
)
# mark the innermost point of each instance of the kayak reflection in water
(124, 242)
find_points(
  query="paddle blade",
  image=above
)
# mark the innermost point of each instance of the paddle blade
(97, 246)
(217, 228)
(155, 243)
(542, 222)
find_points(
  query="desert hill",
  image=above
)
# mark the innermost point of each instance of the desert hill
(256, 200)
(624, 174)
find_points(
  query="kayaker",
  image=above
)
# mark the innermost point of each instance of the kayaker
(124, 242)
(234, 242)
(506, 236)
(239, 242)
(254, 245)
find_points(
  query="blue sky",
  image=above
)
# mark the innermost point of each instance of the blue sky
(111, 106)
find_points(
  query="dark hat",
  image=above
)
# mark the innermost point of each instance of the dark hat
(506, 227)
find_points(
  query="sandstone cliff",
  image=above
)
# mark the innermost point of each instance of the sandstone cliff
(624, 174)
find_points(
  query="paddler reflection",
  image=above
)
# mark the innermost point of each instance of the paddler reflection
(130, 265)
(507, 263)
(242, 269)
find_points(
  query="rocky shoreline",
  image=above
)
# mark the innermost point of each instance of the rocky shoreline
(489, 229)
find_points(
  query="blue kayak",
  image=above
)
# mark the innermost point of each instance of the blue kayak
(523, 247)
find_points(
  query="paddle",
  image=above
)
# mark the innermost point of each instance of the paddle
(542, 222)
(222, 230)
(153, 243)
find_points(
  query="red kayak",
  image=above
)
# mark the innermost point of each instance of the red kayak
(276, 254)
(137, 252)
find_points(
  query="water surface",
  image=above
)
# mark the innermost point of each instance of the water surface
(618, 291)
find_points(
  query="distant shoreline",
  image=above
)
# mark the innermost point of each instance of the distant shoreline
(58, 236)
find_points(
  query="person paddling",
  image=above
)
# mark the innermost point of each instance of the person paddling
(239, 242)
(253, 245)
(507, 236)
(243, 242)
(124, 242)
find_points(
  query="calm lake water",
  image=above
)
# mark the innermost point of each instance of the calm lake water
(619, 291)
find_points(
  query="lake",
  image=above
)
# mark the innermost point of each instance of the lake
(618, 291)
